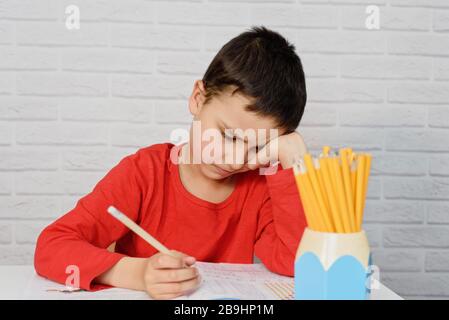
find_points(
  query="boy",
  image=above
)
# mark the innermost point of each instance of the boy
(216, 211)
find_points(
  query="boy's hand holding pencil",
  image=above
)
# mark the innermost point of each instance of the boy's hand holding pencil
(168, 276)
(165, 275)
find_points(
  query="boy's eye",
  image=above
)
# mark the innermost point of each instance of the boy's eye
(233, 138)
(256, 149)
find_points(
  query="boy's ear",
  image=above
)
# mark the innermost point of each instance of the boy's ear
(197, 97)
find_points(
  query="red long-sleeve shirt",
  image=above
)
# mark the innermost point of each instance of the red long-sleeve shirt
(262, 216)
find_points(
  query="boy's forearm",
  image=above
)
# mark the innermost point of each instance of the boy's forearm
(127, 273)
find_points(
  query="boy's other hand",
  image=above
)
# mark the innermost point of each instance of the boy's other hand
(167, 277)
(290, 146)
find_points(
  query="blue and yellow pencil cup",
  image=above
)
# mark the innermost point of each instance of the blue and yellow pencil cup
(332, 266)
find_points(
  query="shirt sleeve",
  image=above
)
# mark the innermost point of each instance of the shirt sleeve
(78, 241)
(281, 223)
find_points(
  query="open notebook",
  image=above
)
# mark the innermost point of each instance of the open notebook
(220, 281)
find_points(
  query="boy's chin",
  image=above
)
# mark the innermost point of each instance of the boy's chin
(214, 172)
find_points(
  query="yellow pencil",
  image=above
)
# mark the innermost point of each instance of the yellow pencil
(315, 213)
(304, 199)
(317, 190)
(354, 180)
(348, 187)
(340, 193)
(331, 195)
(328, 162)
(326, 150)
(365, 185)
(361, 160)
(319, 173)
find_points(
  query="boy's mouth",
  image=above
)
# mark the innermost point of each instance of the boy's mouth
(222, 171)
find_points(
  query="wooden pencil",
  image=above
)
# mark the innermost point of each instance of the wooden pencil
(348, 187)
(332, 196)
(317, 190)
(360, 182)
(138, 230)
(305, 199)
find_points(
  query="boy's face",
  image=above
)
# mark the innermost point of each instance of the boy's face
(225, 133)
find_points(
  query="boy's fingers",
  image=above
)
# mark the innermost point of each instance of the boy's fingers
(261, 158)
(165, 261)
(187, 259)
(176, 260)
(175, 275)
(253, 163)
(168, 296)
(178, 287)
(178, 254)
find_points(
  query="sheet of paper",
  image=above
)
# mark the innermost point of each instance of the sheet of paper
(241, 281)
(220, 281)
(39, 288)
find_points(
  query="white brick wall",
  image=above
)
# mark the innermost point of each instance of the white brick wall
(73, 103)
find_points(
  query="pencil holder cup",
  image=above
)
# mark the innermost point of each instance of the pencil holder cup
(332, 266)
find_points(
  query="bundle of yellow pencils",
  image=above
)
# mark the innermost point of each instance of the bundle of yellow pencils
(333, 189)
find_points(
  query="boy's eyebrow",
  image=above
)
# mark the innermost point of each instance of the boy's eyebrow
(225, 126)
(245, 139)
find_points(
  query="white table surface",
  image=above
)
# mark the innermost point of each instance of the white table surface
(22, 282)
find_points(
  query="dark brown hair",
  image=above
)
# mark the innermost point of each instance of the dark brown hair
(264, 66)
